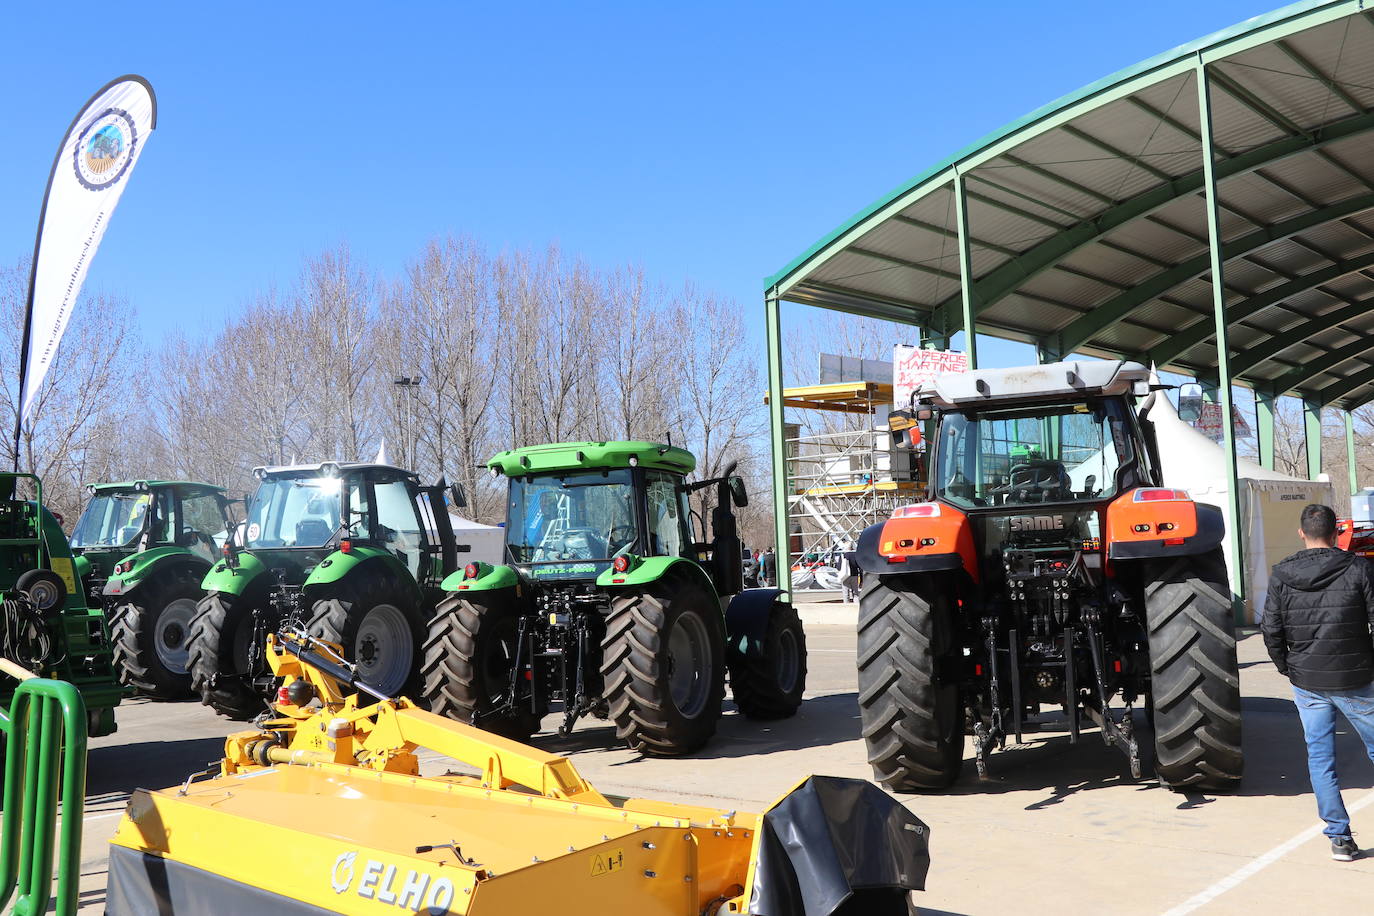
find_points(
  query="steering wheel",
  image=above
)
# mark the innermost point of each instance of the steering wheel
(197, 536)
(624, 535)
(1038, 478)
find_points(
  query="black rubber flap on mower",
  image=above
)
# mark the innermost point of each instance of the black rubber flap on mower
(839, 847)
(142, 885)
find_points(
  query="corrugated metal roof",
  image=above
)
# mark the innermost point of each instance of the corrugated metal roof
(1088, 225)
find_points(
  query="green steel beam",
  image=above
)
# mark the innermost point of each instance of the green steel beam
(1342, 390)
(1264, 428)
(1299, 377)
(1201, 331)
(1081, 330)
(783, 541)
(966, 272)
(1005, 278)
(1256, 104)
(1290, 336)
(1217, 259)
(1350, 453)
(1326, 80)
(1312, 436)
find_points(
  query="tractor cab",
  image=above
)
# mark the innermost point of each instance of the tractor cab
(122, 519)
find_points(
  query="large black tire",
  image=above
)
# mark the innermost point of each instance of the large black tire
(468, 654)
(912, 719)
(640, 669)
(380, 628)
(770, 685)
(151, 636)
(220, 637)
(1195, 681)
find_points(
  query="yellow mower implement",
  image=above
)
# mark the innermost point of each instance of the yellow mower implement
(323, 810)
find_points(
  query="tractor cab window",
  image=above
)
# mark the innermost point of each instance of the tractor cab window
(575, 516)
(1051, 454)
(667, 524)
(201, 524)
(398, 524)
(112, 519)
(294, 512)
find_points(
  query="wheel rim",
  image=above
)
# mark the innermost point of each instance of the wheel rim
(43, 595)
(384, 649)
(788, 661)
(689, 661)
(170, 632)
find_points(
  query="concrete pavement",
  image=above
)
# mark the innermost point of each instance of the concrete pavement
(1056, 829)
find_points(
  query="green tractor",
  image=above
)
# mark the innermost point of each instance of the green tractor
(611, 606)
(355, 553)
(48, 627)
(142, 549)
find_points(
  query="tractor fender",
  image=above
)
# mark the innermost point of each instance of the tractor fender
(746, 620)
(489, 579)
(234, 580)
(1193, 528)
(149, 562)
(338, 565)
(648, 570)
(894, 546)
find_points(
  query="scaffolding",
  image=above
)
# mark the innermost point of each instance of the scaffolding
(841, 480)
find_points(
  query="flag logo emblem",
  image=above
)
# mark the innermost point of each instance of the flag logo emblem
(105, 149)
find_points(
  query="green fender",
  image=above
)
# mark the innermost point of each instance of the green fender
(489, 579)
(647, 570)
(148, 562)
(233, 580)
(333, 568)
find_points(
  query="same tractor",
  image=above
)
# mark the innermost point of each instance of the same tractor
(1049, 567)
(46, 624)
(610, 605)
(353, 553)
(143, 548)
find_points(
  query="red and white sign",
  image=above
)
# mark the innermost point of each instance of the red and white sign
(912, 367)
(1209, 422)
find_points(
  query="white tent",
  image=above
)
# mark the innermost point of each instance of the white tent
(1270, 502)
(485, 543)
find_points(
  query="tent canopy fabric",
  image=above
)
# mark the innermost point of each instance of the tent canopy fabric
(1087, 226)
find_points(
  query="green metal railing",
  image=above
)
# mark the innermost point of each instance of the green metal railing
(45, 744)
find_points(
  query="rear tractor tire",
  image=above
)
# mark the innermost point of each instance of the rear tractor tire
(151, 636)
(466, 667)
(663, 666)
(1195, 681)
(379, 628)
(221, 635)
(912, 718)
(770, 685)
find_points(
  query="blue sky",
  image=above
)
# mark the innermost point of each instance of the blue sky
(710, 142)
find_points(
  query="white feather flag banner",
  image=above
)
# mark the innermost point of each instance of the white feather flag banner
(91, 170)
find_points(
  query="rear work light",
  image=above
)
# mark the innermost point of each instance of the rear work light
(917, 510)
(621, 564)
(1159, 495)
(345, 546)
(470, 571)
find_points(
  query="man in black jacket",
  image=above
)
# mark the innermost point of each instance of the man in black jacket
(1316, 626)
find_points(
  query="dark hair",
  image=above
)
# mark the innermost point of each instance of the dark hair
(1318, 522)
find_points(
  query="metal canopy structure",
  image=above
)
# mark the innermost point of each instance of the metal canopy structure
(1210, 210)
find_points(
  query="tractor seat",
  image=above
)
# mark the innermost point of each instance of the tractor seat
(312, 532)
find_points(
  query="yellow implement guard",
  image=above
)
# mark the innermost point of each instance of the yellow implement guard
(323, 810)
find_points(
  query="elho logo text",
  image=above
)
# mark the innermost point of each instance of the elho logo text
(417, 892)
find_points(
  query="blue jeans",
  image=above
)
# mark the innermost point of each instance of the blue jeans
(1317, 709)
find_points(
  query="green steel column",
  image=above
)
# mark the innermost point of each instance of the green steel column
(966, 272)
(783, 542)
(1204, 104)
(1312, 436)
(1264, 428)
(1350, 453)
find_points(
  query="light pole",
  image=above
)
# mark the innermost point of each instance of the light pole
(410, 390)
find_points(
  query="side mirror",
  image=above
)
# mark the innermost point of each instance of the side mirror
(738, 495)
(1189, 402)
(457, 496)
(905, 427)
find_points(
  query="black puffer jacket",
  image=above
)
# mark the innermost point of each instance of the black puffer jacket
(1317, 619)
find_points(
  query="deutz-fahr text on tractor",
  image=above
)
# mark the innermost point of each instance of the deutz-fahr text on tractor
(611, 606)
(46, 624)
(1048, 567)
(352, 553)
(142, 549)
